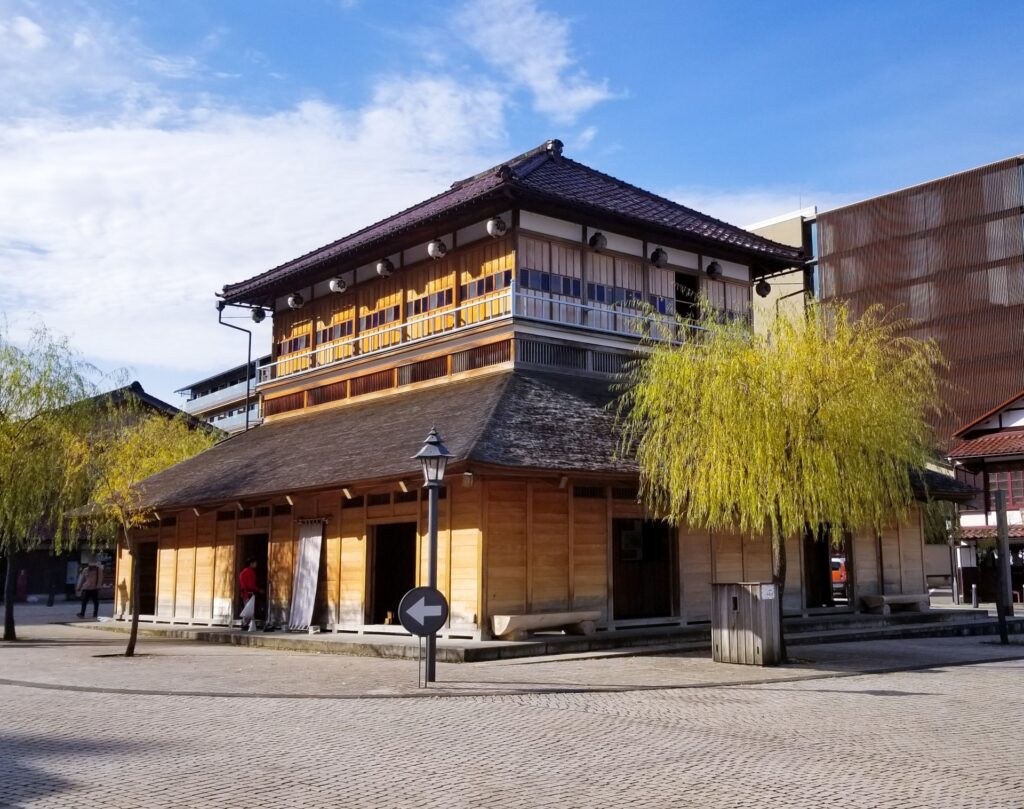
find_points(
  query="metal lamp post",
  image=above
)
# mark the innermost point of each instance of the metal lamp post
(434, 456)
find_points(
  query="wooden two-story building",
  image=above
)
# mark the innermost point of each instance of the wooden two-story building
(500, 311)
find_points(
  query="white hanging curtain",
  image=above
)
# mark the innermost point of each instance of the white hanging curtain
(307, 572)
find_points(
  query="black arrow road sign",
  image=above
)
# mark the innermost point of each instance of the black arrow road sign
(423, 611)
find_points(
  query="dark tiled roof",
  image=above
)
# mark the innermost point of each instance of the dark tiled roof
(511, 419)
(570, 182)
(936, 486)
(544, 174)
(989, 532)
(1010, 442)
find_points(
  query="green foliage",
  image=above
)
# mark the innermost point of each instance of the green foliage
(132, 446)
(818, 421)
(940, 522)
(45, 420)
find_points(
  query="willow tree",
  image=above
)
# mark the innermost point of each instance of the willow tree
(45, 419)
(133, 445)
(820, 421)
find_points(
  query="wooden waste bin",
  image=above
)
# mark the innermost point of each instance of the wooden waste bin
(745, 624)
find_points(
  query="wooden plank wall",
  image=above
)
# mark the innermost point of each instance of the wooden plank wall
(225, 574)
(590, 544)
(352, 566)
(892, 573)
(548, 535)
(793, 592)
(728, 555)
(466, 548)
(697, 570)
(281, 553)
(505, 537)
(912, 554)
(865, 564)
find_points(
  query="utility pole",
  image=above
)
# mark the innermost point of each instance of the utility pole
(1004, 598)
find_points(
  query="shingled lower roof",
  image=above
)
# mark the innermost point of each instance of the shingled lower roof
(544, 175)
(511, 419)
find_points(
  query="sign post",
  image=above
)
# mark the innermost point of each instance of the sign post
(423, 611)
(434, 457)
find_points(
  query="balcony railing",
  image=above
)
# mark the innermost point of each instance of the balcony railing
(236, 422)
(215, 398)
(510, 302)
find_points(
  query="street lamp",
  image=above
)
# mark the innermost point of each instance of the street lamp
(434, 457)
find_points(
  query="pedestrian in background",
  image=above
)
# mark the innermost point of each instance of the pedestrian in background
(88, 587)
(249, 586)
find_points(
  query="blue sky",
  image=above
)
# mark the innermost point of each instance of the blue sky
(151, 151)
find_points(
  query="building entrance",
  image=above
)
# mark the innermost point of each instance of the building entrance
(392, 570)
(828, 568)
(642, 569)
(253, 546)
(145, 558)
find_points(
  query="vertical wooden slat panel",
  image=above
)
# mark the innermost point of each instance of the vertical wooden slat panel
(353, 566)
(590, 554)
(505, 534)
(549, 547)
(695, 548)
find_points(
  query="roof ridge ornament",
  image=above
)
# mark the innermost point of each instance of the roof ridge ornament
(554, 148)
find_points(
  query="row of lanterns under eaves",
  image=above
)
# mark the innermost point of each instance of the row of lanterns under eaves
(496, 228)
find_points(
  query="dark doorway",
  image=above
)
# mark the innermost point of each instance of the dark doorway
(642, 569)
(392, 570)
(687, 291)
(828, 568)
(146, 560)
(253, 546)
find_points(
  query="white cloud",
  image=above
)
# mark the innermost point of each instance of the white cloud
(532, 48)
(119, 222)
(131, 194)
(747, 206)
(583, 140)
(121, 235)
(31, 35)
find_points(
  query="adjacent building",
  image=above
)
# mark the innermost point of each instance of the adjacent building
(499, 311)
(223, 399)
(50, 574)
(989, 455)
(947, 254)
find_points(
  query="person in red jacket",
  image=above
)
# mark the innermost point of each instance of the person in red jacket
(249, 586)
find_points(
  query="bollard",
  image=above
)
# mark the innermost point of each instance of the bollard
(974, 596)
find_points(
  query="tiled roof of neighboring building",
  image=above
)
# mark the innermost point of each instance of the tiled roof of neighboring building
(1008, 442)
(989, 532)
(542, 174)
(514, 420)
(988, 414)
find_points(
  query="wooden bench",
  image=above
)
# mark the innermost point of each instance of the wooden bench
(518, 627)
(917, 602)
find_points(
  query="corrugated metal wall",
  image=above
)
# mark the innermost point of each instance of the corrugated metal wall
(950, 255)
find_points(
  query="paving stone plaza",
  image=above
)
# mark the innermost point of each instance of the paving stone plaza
(189, 724)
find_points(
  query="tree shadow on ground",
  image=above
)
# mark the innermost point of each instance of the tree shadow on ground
(869, 692)
(29, 765)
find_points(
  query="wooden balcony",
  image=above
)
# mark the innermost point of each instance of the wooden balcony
(619, 320)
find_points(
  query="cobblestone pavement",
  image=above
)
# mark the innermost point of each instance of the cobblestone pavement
(943, 736)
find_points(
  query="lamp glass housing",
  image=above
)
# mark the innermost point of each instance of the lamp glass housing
(433, 457)
(433, 468)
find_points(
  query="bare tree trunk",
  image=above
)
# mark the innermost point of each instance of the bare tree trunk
(9, 633)
(779, 576)
(133, 635)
